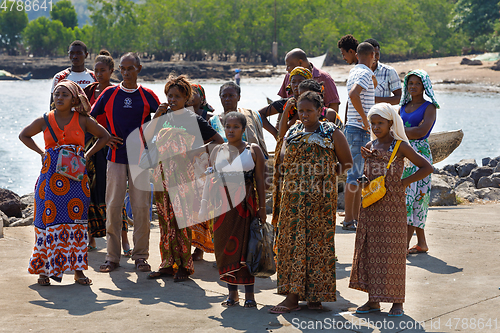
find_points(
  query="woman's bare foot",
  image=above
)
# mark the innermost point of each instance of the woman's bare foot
(314, 306)
(396, 310)
(43, 280)
(181, 275)
(368, 307)
(290, 303)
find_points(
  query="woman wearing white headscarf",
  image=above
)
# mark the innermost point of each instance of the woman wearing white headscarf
(379, 262)
(419, 117)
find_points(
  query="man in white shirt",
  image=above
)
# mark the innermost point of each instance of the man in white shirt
(389, 84)
(361, 88)
(77, 73)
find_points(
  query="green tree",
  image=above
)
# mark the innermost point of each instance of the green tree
(64, 11)
(475, 17)
(45, 37)
(12, 23)
(117, 26)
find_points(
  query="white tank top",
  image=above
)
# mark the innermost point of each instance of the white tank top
(243, 162)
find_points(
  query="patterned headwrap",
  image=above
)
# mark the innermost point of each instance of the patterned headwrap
(389, 112)
(204, 105)
(83, 105)
(426, 81)
(299, 71)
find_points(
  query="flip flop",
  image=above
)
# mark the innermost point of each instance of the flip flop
(108, 266)
(45, 281)
(350, 226)
(280, 309)
(396, 315)
(250, 303)
(230, 302)
(84, 281)
(416, 249)
(367, 311)
(91, 248)
(142, 265)
(127, 253)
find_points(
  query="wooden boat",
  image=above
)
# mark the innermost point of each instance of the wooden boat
(442, 145)
(7, 76)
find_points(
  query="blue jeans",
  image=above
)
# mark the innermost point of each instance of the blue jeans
(356, 138)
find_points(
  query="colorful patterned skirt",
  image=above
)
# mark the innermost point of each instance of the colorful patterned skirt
(418, 194)
(306, 225)
(61, 206)
(231, 232)
(379, 262)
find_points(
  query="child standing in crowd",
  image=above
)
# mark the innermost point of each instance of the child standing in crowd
(236, 165)
(379, 263)
(97, 164)
(306, 223)
(361, 87)
(61, 203)
(419, 117)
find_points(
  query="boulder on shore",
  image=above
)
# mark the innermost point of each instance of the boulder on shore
(465, 166)
(10, 203)
(466, 191)
(479, 172)
(488, 193)
(467, 61)
(442, 193)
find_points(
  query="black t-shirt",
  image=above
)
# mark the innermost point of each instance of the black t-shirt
(279, 105)
(192, 123)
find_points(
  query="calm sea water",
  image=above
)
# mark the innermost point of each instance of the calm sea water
(477, 114)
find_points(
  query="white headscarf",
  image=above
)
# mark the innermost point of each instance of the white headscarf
(389, 112)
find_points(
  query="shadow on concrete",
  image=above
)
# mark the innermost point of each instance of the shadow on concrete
(245, 320)
(56, 297)
(432, 264)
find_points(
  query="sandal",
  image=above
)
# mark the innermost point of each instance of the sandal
(142, 265)
(44, 281)
(281, 309)
(162, 272)
(84, 281)
(230, 302)
(127, 253)
(250, 303)
(350, 226)
(184, 276)
(91, 248)
(108, 266)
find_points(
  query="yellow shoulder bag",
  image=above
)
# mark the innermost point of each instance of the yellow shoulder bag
(376, 189)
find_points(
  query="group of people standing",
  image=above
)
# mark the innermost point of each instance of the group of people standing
(210, 181)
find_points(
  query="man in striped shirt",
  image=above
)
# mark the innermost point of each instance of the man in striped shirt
(361, 88)
(388, 82)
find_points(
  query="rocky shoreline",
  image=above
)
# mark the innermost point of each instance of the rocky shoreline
(461, 183)
(46, 67)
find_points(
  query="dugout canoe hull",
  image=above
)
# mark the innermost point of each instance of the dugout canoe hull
(442, 145)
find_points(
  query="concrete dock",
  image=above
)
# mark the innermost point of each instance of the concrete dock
(454, 287)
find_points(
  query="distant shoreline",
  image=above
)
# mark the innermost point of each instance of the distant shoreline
(446, 73)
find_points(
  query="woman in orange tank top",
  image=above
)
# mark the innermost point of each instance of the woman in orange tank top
(61, 204)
